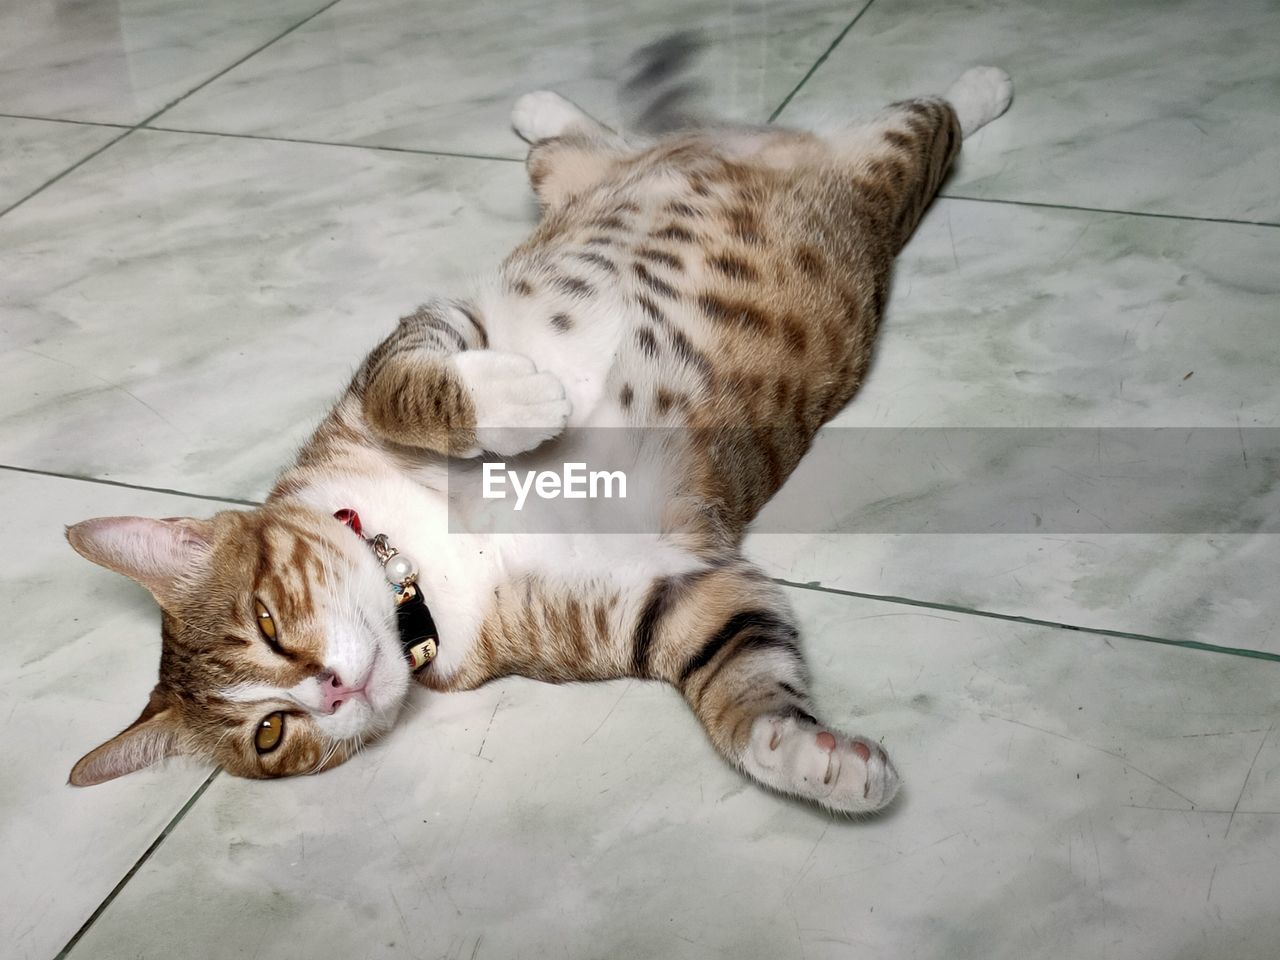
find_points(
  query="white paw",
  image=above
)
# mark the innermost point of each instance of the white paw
(849, 774)
(979, 96)
(517, 406)
(542, 114)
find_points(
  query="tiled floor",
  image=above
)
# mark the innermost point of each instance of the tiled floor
(210, 210)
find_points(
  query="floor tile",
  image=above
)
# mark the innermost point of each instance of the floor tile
(120, 62)
(1003, 316)
(83, 647)
(444, 76)
(181, 311)
(1067, 796)
(34, 151)
(1153, 106)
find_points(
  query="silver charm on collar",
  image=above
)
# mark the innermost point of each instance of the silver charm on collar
(401, 572)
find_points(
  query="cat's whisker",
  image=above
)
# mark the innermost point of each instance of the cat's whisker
(325, 758)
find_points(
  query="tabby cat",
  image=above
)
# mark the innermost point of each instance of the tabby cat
(721, 282)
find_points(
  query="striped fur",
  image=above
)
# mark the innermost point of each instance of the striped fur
(725, 283)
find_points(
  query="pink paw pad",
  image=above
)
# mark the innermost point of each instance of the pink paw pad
(826, 741)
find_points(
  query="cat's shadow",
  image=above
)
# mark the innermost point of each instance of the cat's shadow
(883, 815)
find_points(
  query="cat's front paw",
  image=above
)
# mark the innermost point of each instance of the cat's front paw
(518, 407)
(849, 774)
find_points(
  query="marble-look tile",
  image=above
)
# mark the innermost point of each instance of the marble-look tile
(81, 651)
(1067, 796)
(1158, 106)
(34, 151)
(1008, 316)
(1003, 317)
(181, 311)
(443, 76)
(1207, 589)
(120, 62)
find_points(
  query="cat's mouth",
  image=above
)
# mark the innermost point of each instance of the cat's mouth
(371, 704)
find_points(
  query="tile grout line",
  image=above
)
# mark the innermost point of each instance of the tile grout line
(145, 124)
(1027, 203)
(31, 471)
(142, 123)
(1033, 621)
(138, 864)
(252, 53)
(1122, 213)
(1008, 201)
(262, 136)
(459, 155)
(808, 585)
(58, 176)
(334, 143)
(81, 123)
(819, 62)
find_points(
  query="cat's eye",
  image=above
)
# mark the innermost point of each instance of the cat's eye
(266, 626)
(269, 734)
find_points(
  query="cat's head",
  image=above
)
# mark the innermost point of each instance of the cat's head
(280, 653)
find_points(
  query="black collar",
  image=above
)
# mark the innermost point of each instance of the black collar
(418, 635)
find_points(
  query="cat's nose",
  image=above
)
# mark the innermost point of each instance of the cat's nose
(334, 692)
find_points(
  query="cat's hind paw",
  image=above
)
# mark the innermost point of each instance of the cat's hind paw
(979, 96)
(518, 407)
(542, 115)
(849, 774)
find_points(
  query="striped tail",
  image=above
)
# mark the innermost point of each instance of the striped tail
(662, 93)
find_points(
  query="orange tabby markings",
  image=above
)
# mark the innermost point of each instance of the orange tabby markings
(749, 335)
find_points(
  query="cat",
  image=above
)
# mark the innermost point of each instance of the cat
(725, 283)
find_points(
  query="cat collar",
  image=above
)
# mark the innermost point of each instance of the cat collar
(418, 635)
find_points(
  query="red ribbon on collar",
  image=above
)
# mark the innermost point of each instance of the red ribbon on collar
(351, 519)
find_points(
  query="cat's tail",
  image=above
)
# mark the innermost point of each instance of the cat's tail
(726, 640)
(662, 92)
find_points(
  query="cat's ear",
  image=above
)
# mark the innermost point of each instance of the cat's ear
(156, 553)
(155, 735)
